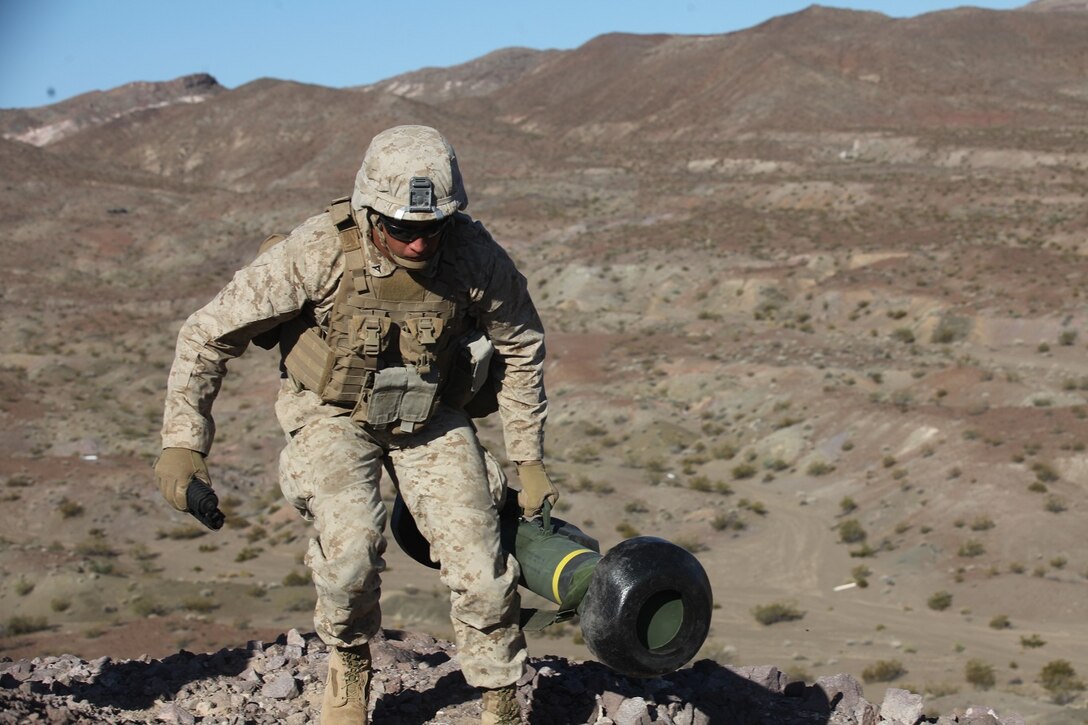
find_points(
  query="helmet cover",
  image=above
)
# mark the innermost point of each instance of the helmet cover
(410, 173)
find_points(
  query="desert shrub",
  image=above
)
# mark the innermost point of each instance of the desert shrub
(247, 553)
(140, 552)
(819, 468)
(147, 607)
(940, 689)
(972, 547)
(768, 614)
(903, 334)
(1032, 642)
(943, 335)
(1060, 680)
(1067, 337)
(23, 587)
(883, 671)
(295, 579)
(60, 604)
(1000, 621)
(20, 624)
(626, 530)
(102, 566)
(982, 523)
(592, 429)
(585, 454)
(863, 552)
(979, 674)
(700, 483)
(1037, 487)
(1054, 504)
(861, 574)
(756, 507)
(724, 451)
(940, 601)
(847, 505)
(692, 544)
(776, 464)
(1044, 472)
(199, 605)
(851, 532)
(732, 520)
(69, 508)
(744, 470)
(95, 546)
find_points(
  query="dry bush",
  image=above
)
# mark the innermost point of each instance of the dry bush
(768, 614)
(883, 671)
(979, 674)
(1061, 681)
(851, 531)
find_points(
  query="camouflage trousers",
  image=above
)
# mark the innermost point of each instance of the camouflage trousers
(330, 471)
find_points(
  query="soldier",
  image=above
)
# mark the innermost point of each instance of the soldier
(377, 303)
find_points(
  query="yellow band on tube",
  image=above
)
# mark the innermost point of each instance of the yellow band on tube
(559, 571)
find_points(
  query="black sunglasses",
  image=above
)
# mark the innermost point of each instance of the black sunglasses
(404, 231)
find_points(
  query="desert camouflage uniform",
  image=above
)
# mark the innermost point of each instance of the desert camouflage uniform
(331, 465)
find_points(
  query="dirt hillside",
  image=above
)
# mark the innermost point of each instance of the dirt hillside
(816, 302)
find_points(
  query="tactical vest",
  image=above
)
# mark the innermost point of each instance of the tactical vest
(388, 346)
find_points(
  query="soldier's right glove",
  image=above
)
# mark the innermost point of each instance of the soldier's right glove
(536, 488)
(174, 469)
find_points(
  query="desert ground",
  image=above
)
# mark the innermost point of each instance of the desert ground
(841, 355)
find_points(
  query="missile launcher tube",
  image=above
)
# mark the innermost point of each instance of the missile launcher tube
(645, 605)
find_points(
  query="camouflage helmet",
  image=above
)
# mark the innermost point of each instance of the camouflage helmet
(410, 173)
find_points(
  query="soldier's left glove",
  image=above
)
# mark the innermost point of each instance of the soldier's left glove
(536, 488)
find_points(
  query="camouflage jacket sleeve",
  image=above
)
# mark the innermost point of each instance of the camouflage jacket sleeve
(507, 314)
(303, 269)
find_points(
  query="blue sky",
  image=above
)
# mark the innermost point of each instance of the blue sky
(54, 49)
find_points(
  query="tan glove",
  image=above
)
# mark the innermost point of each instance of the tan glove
(174, 469)
(536, 488)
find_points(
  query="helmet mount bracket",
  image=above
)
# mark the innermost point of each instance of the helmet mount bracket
(420, 194)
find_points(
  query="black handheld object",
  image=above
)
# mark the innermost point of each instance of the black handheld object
(204, 504)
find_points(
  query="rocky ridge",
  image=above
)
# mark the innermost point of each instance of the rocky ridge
(418, 680)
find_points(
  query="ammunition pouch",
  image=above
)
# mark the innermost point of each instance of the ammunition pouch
(398, 394)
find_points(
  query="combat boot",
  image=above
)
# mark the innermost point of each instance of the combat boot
(501, 707)
(347, 687)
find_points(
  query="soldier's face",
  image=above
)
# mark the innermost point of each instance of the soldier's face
(416, 242)
(419, 249)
